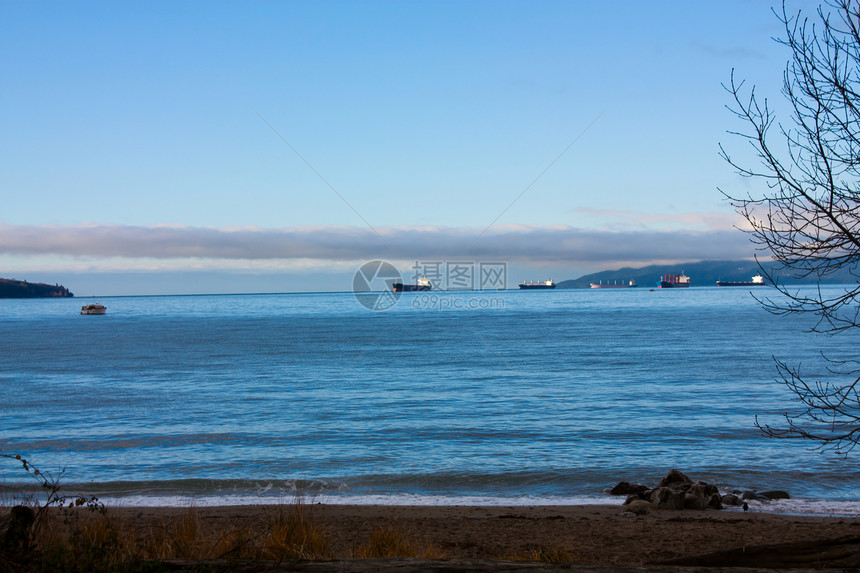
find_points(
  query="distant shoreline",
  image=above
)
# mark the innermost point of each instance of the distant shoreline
(11, 288)
(437, 293)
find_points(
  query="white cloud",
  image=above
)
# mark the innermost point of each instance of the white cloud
(625, 219)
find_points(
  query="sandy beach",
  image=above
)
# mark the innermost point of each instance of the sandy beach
(586, 535)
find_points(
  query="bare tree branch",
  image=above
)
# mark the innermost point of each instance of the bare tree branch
(808, 218)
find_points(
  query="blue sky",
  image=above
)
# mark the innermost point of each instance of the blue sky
(276, 146)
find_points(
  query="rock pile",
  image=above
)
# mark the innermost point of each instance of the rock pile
(677, 491)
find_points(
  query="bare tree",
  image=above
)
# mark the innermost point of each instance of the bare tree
(807, 217)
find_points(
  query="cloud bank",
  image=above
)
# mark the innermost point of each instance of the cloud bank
(510, 243)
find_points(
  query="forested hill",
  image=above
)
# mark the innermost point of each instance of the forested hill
(10, 288)
(701, 274)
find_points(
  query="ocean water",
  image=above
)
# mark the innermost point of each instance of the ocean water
(513, 397)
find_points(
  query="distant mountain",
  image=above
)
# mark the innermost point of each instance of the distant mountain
(705, 273)
(10, 288)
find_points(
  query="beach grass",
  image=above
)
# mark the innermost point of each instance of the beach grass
(295, 533)
(148, 539)
(389, 540)
(545, 554)
(70, 539)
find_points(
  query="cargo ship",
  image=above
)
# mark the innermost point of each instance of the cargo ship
(674, 281)
(757, 280)
(537, 285)
(616, 284)
(423, 284)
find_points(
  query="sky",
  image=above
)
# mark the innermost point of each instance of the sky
(196, 147)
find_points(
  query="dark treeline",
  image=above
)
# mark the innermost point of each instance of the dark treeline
(11, 288)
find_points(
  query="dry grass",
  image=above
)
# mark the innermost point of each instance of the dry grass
(294, 533)
(72, 540)
(389, 541)
(237, 544)
(184, 538)
(544, 554)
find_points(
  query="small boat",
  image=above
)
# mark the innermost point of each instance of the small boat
(537, 285)
(615, 284)
(93, 309)
(757, 280)
(423, 284)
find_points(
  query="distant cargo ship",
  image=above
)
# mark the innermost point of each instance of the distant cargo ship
(423, 284)
(537, 285)
(616, 284)
(674, 281)
(757, 280)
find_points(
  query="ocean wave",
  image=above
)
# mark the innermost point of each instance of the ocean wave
(205, 493)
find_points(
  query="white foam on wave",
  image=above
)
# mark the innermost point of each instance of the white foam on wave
(821, 507)
(475, 500)
(812, 507)
(263, 498)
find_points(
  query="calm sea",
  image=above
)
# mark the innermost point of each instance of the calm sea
(515, 397)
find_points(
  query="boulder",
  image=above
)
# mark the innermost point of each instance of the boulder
(640, 507)
(675, 479)
(715, 501)
(730, 499)
(16, 539)
(626, 488)
(668, 498)
(675, 491)
(773, 494)
(704, 489)
(693, 501)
